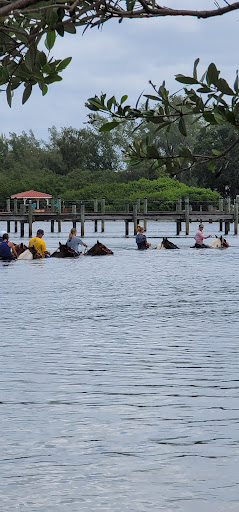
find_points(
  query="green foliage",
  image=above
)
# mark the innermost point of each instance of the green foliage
(215, 109)
(63, 167)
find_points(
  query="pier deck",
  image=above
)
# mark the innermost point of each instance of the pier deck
(135, 217)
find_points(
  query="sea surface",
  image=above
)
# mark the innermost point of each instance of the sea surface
(119, 382)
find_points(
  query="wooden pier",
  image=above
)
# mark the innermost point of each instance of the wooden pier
(27, 216)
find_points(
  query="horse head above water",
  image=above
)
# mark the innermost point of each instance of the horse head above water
(219, 243)
(27, 253)
(98, 249)
(166, 244)
(64, 251)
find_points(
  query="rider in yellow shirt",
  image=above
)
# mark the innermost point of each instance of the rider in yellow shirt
(39, 244)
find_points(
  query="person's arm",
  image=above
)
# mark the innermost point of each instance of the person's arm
(44, 249)
(81, 242)
(10, 244)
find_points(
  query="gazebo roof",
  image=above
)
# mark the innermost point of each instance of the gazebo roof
(31, 194)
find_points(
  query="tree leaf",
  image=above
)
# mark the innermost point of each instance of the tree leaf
(130, 4)
(151, 97)
(109, 126)
(195, 69)
(182, 127)
(223, 86)
(212, 74)
(209, 117)
(236, 111)
(9, 95)
(63, 64)
(152, 152)
(123, 99)
(186, 79)
(42, 58)
(236, 83)
(204, 89)
(219, 119)
(110, 102)
(27, 93)
(60, 30)
(50, 39)
(70, 28)
(211, 166)
(52, 78)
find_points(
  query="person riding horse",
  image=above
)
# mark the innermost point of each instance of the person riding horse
(7, 249)
(39, 244)
(199, 237)
(141, 239)
(74, 241)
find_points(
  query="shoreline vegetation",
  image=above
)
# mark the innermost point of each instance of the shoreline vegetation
(80, 165)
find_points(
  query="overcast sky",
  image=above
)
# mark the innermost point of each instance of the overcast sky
(121, 59)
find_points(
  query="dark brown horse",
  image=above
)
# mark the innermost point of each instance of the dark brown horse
(64, 251)
(98, 249)
(166, 244)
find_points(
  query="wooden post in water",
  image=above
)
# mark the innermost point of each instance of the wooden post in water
(103, 212)
(187, 215)
(145, 212)
(127, 222)
(8, 210)
(96, 211)
(82, 218)
(178, 210)
(52, 226)
(30, 210)
(236, 218)
(73, 210)
(178, 227)
(21, 229)
(22, 211)
(227, 227)
(221, 210)
(228, 210)
(135, 216)
(15, 212)
(59, 212)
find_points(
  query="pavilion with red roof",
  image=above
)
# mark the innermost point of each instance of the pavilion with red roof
(32, 195)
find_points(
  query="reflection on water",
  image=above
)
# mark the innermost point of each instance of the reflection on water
(119, 379)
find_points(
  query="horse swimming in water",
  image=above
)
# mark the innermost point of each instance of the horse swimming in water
(98, 249)
(64, 251)
(27, 253)
(219, 243)
(166, 244)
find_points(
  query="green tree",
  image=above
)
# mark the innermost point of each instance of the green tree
(225, 177)
(83, 149)
(212, 109)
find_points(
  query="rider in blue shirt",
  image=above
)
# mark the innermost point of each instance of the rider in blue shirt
(7, 249)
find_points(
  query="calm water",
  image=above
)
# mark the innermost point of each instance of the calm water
(120, 378)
